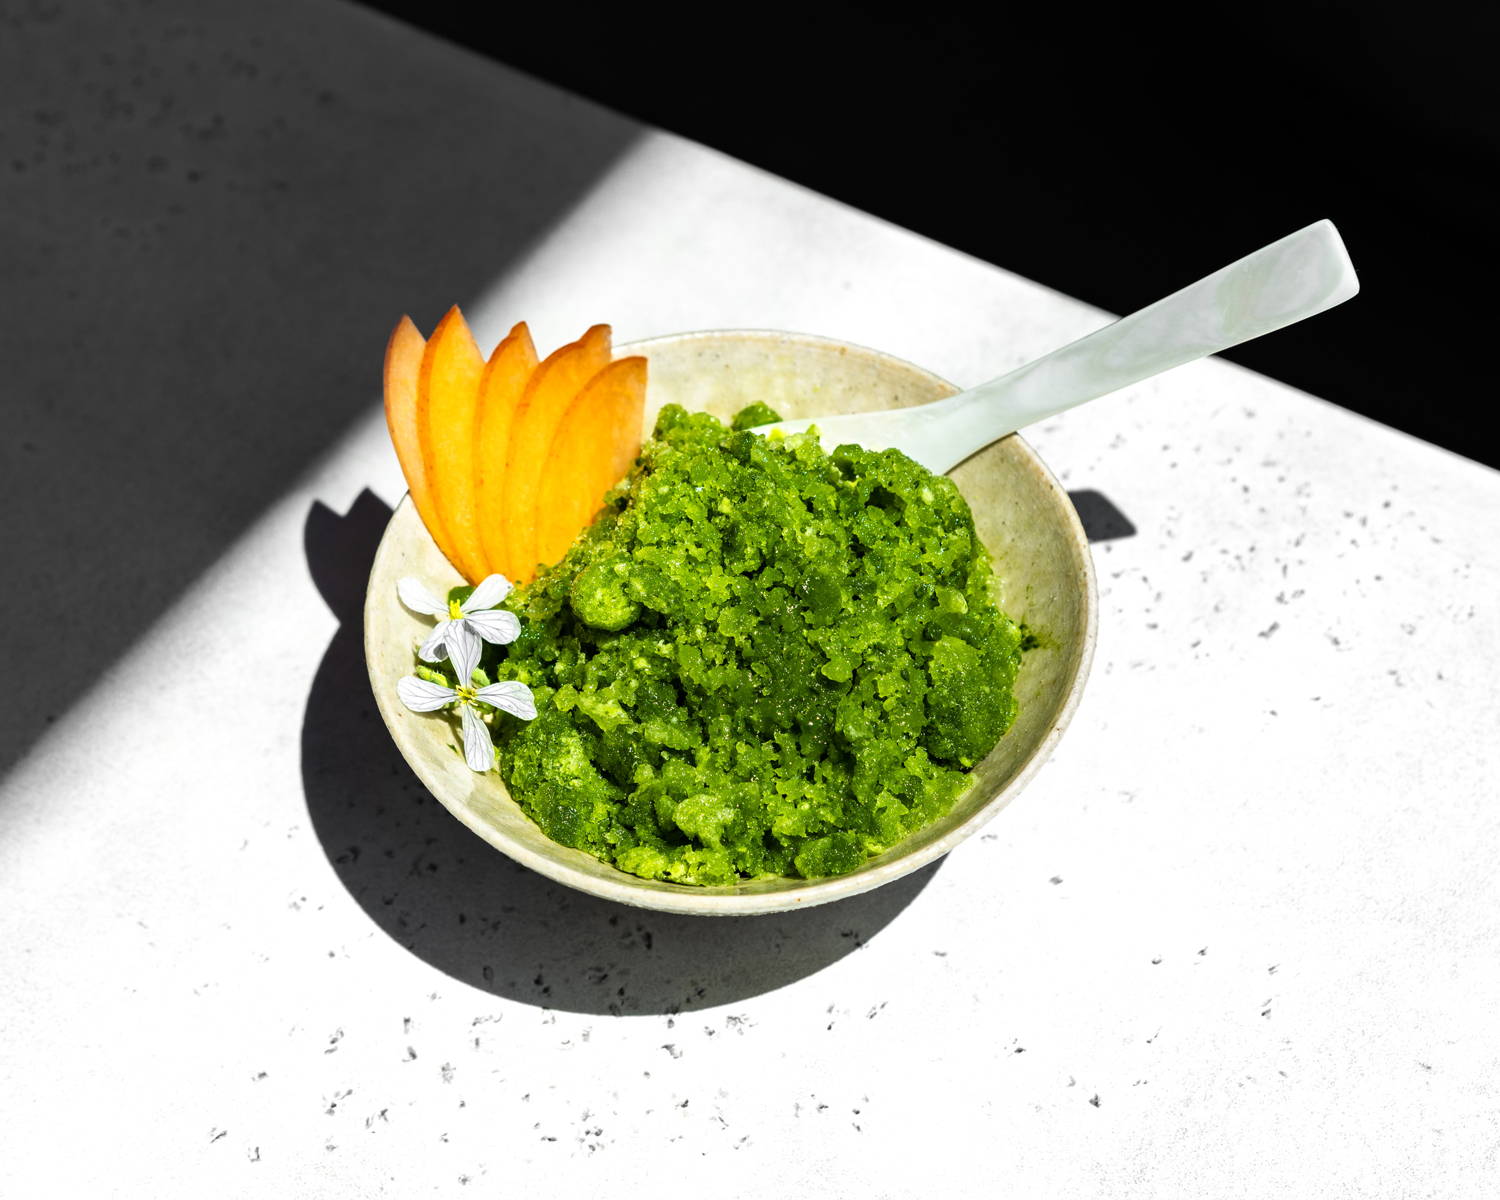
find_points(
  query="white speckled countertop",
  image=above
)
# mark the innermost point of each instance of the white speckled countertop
(1237, 939)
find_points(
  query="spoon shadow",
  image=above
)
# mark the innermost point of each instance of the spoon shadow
(477, 916)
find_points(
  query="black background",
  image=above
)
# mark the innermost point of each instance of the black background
(1112, 155)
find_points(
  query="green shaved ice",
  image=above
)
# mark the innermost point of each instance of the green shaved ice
(599, 596)
(755, 414)
(761, 660)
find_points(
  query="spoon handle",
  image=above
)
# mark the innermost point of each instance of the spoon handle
(1300, 275)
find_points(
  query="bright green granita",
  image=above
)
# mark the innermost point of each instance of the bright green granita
(762, 659)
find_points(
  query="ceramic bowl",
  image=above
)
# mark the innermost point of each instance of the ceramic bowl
(1023, 516)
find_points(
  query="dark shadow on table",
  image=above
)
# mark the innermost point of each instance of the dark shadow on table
(461, 906)
(211, 216)
(1101, 520)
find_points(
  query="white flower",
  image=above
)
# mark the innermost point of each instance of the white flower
(462, 624)
(422, 695)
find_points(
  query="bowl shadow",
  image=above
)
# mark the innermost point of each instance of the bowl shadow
(485, 920)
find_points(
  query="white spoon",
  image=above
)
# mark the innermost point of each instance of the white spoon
(1278, 285)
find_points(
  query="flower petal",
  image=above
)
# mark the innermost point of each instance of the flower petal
(514, 698)
(479, 750)
(432, 649)
(496, 625)
(415, 595)
(490, 591)
(420, 695)
(463, 648)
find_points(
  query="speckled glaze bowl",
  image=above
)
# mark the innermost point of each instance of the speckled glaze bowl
(1022, 514)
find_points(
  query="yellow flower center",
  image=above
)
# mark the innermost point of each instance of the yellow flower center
(454, 611)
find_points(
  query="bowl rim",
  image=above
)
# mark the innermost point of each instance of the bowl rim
(697, 901)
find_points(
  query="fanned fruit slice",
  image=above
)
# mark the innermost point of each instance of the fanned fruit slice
(509, 460)
(501, 388)
(447, 404)
(594, 446)
(403, 369)
(552, 388)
